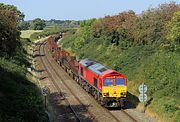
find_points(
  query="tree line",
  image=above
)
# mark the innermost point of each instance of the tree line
(152, 27)
(40, 24)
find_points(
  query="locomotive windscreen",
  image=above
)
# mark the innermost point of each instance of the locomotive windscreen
(108, 82)
(119, 81)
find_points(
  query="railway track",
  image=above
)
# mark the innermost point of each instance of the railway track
(129, 115)
(73, 109)
(126, 117)
(117, 115)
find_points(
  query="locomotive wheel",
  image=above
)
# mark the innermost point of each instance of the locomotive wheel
(96, 96)
(86, 87)
(99, 98)
(101, 101)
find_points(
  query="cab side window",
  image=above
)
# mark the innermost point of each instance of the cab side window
(95, 82)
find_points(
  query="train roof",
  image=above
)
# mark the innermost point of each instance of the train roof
(94, 66)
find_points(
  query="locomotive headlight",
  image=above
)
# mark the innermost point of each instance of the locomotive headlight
(106, 94)
(123, 93)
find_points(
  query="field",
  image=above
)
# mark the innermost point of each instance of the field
(27, 33)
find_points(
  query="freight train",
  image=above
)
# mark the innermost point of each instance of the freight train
(107, 86)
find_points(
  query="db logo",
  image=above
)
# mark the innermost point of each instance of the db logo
(114, 89)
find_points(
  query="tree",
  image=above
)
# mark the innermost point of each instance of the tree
(118, 27)
(150, 27)
(38, 24)
(174, 28)
(24, 25)
(9, 34)
(13, 9)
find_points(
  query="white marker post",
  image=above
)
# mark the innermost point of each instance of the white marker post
(143, 96)
(45, 92)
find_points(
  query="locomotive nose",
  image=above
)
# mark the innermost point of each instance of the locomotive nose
(114, 91)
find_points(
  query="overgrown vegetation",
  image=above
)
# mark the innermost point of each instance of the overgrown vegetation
(146, 48)
(20, 99)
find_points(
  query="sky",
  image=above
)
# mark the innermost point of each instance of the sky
(80, 9)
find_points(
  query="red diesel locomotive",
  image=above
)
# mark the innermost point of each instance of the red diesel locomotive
(108, 86)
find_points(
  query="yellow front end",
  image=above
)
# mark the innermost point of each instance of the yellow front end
(114, 91)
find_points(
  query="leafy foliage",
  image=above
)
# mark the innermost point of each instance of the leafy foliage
(24, 25)
(13, 10)
(174, 28)
(150, 27)
(9, 35)
(136, 45)
(38, 24)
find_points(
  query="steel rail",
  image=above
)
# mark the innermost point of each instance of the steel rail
(55, 84)
(129, 115)
(66, 85)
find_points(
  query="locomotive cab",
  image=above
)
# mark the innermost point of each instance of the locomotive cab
(114, 89)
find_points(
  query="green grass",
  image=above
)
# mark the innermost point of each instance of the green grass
(28, 33)
(20, 99)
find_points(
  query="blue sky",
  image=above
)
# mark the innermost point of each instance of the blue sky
(80, 9)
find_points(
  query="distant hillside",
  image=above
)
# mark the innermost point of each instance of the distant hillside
(146, 48)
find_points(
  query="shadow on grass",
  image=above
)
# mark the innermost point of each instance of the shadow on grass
(21, 100)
